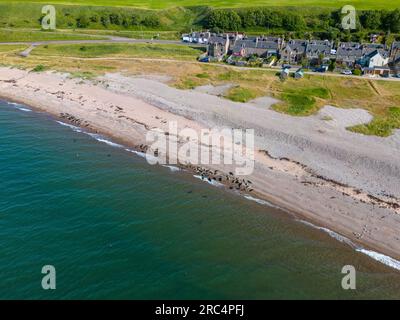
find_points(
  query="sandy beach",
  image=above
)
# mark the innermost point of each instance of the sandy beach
(310, 166)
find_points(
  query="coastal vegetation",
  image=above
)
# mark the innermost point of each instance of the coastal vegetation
(164, 4)
(380, 98)
(241, 94)
(382, 125)
(120, 50)
(16, 35)
(301, 101)
(323, 21)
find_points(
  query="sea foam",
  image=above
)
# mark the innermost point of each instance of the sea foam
(74, 128)
(384, 259)
(19, 106)
(101, 138)
(172, 168)
(260, 201)
(212, 182)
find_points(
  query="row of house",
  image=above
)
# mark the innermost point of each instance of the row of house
(372, 58)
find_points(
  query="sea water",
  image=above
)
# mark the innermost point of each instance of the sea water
(115, 227)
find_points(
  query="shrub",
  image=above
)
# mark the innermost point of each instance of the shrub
(39, 68)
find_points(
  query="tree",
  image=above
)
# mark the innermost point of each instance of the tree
(294, 22)
(273, 19)
(82, 21)
(224, 19)
(115, 18)
(332, 65)
(135, 20)
(105, 20)
(371, 20)
(235, 22)
(394, 21)
(151, 21)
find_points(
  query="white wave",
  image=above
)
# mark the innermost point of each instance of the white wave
(100, 138)
(172, 168)
(24, 109)
(140, 154)
(260, 201)
(76, 129)
(19, 106)
(333, 234)
(150, 159)
(212, 182)
(386, 260)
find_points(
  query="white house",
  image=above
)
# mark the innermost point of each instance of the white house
(375, 59)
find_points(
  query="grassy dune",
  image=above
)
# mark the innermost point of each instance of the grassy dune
(163, 4)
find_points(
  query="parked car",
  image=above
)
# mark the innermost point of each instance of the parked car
(286, 66)
(321, 69)
(347, 72)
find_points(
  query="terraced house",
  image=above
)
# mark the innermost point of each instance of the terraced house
(348, 53)
(319, 51)
(260, 46)
(294, 51)
(218, 47)
(371, 58)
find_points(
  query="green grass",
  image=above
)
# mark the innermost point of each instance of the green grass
(203, 75)
(120, 50)
(301, 102)
(382, 125)
(15, 35)
(163, 4)
(12, 48)
(27, 14)
(39, 68)
(134, 34)
(83, 75)
(241, 94)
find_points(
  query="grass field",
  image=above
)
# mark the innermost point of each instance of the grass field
(136, 34)
(163, 4)
(15, 35)
(120, 50)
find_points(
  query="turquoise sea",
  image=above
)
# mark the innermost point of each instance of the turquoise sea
(115, 227)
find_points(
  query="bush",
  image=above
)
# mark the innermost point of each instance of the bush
(39, 68)
(82, 21)
(357, 72)
(151, 21)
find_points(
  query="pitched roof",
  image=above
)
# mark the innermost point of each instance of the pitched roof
(349, 51)
(317, 47)
(255, 45)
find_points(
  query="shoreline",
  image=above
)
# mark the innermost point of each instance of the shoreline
(94, 125)
(377, 256)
